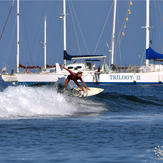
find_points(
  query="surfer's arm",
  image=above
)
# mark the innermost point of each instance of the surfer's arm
(65, 68)
(72, 73)
(80, 86)
(66, 82)
(84, 83)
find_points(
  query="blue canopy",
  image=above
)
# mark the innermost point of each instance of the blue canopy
(151, 54)
(69, 57)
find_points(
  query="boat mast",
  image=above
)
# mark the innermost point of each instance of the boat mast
(45, 43)
(147, 27)
(18, 36)
(64, 28)
(113, 33)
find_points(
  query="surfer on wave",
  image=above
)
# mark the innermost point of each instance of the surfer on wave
(75, 76)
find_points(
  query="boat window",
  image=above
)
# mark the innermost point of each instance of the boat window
(71, 67)
(78, 67)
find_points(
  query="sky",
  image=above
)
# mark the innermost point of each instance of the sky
(89, 28)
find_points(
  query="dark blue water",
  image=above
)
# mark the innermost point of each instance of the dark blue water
(42, 124)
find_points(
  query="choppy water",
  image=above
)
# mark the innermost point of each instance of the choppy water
(42, 124)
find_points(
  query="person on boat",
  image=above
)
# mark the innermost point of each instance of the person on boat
(97, 75)
(75, 77)
(99, 69)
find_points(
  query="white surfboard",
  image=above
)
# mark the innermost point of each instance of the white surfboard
(78, 92)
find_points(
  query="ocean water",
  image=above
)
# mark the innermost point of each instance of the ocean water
(44, 124)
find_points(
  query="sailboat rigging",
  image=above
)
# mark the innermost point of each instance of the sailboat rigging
(148, 74)
(145, 74)
(47, 74)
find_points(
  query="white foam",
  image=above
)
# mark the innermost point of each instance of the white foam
(22, 101)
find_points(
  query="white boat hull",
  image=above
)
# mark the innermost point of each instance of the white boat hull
(88, 77)
(9, 78)
(38, 78)
(125, 78)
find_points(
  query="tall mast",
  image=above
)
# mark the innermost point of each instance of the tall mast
(113, 32)
(45, 43)
(64, 28)
(147, 27)
(18, 36)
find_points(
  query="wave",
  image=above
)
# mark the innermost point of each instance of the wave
(23, 101)
(131, 104)
(43, 101)
(148, 100)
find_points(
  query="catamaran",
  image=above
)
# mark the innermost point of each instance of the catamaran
(146, 74)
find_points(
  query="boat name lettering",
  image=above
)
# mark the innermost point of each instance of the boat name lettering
(123, 77)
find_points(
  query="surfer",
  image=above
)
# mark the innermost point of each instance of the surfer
(75, 76)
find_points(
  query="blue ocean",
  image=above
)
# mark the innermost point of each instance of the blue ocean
(43, 124)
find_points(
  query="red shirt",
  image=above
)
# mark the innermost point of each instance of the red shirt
(73, 76)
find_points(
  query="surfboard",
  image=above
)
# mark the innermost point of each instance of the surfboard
(78, 92)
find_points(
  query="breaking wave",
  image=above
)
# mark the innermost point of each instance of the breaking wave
(23, 102)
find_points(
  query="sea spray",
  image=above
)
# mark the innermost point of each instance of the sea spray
(23, 101)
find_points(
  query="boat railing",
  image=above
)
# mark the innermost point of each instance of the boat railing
(126, 69)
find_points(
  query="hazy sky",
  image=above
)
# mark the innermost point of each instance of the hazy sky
(85, 28)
